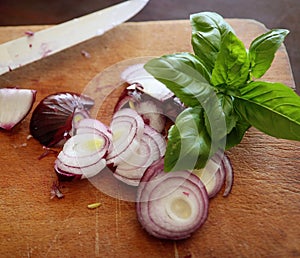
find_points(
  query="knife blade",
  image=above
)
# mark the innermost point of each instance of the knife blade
(30, 48)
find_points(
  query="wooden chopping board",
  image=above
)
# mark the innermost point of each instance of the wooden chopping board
(260, 218)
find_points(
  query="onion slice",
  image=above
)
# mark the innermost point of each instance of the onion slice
(152, 147)
(130, 171)
(127, 128)
(52, 119)
(83, 155)
(171, 205)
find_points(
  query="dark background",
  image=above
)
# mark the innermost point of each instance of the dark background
(273, 13)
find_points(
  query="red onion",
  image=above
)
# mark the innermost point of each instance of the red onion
(155, 112)
(127, 128)
(55, 191)
(78, 115)
(131, 170)
(137, 74)
(156, 139)
(171, 205)
(15, 104)
(83, 155)
(152, 147)
(229, 175)
(52, 120)
(217, 171)
(90, 125)
(152, 114)
(149, 109)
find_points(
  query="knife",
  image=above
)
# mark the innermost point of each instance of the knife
(34, 46)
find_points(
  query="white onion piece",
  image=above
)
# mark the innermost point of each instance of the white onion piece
(137, 74)
(171, 205)
(127, 128)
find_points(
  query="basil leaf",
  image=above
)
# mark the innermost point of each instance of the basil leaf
(262, 50)
(181, 78)
(232, 64)
(188, 141)
(272, 108)
(217, 118)
(208, 29)
(237, 133)
(192, 89)
(194, 62)
(226, 102)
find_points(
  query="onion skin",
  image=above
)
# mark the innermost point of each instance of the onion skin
(52, 119)
(154, 200)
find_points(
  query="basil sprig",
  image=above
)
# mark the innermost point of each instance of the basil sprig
(218, 85)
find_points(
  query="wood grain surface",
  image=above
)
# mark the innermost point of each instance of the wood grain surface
(260, 218)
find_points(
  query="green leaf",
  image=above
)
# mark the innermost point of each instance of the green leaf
(226, 102)
(232, 65)
(188, 141)
(237, 133)
(181, 78)
(208, 29)
(272, 108)
(188, 84)
(262, 50)
(194, 62)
